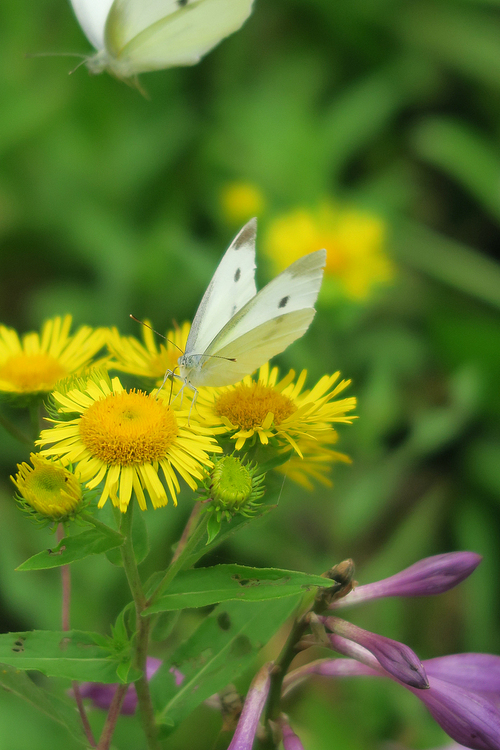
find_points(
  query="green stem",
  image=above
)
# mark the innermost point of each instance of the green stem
(145, 704)
(34, 410)
(97, 524)
(14, 431)
(179, 560)
(282, 663)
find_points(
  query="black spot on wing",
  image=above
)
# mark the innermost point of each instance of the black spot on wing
(237, 275)
(283, 301)
(182, 3)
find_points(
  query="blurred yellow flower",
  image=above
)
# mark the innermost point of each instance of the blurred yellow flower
(315, 463)
(241, 201)
(123, 438)
(354, 241)
(147, 360)
(48, 488)
(35, 364)
(276, 412)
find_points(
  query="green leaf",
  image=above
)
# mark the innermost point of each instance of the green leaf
(71, 548)
(203, 586)
(61, 710)
(74, 655)
(223, 647)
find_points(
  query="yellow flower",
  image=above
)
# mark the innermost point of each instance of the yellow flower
(47, 487)
(315, 463)
(354, 241)
(241, 201)
(123, 438)
(35, 364)
(147, 360)
(276, 411)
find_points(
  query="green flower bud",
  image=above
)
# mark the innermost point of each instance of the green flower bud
(47, 490)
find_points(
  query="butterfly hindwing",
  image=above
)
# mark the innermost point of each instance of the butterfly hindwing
(232, 285)
(248, 352)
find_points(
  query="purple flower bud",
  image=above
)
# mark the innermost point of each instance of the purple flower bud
(290, 739)
(254, 704)
(396, 658)
(432, 575)
(101, 695)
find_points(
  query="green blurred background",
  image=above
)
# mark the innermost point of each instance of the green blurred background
(111, 203)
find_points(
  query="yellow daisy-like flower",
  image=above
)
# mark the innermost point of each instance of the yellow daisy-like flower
(34, 365)
(315, 463)
(147, 360)
(241, 201)
(47, 487)
(269, 409)
(354, 240)
(123, 438)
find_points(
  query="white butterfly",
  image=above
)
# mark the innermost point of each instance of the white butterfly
(135, 36)
(236, 329)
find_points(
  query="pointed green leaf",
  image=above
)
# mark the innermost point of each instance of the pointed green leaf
(223, 647)
(203, 586)
(74, 655)
(61, 710)
(91, 542)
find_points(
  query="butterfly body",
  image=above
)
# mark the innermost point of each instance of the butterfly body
(237, 329)
(137, 36)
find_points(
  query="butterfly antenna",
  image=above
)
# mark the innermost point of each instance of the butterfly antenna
(157, 332)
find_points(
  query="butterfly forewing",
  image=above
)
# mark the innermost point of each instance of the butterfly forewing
(296, 288)
(232, 285)
(163, 33)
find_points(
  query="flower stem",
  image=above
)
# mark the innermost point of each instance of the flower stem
(112, 718)
(141, 641)
(188, 544)
(65, 617)
(14, 431)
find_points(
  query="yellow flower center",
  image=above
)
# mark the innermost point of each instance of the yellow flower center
(30, 373)
(248, 405)
(128, 428)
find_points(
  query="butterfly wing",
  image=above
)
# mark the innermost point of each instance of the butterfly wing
(91, 15)
(269, 322)
(155, 34)
(232, 285)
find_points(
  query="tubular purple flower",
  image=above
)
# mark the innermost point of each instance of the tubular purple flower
(432, 575)
(290, 739)
(101, 695)
(473, 671)
(254, 704)
(396, 658)
(470, 718)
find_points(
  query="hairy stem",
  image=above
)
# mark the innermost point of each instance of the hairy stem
(179, 558)
(145, 704)
(112, 718)
(65, 617)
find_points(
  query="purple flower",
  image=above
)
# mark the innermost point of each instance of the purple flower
(462, 696)
(254, 704)
(432, 575)
(101, 695)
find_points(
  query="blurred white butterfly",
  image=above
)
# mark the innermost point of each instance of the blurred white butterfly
(135, 36)
(236, 329)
